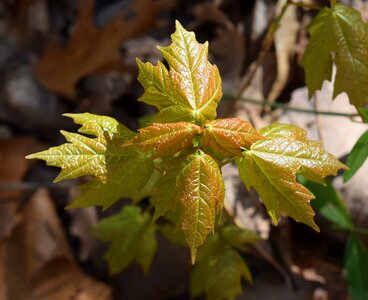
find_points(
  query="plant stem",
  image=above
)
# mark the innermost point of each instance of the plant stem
(290, 108)
(226, 161)
(158, 169)
(332, 3)
(31, 186)
(363, 231)
(266, 44)
(304, 5)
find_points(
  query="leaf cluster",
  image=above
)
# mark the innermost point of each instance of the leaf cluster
(177, 159)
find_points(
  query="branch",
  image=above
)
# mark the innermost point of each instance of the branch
(304, 5)
(31, 186)
(266, 44)
(291, 108)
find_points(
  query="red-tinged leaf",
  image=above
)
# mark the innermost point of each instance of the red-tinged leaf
(190, 90)
(166, 139)
(278, 189)
(201, 195)
(229, 136)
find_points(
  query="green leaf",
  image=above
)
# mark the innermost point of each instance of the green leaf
(357, 156)
(190, 90)
(356, 266)
(363, 113)
(219, 271)
(193, 186)
(119, 171)
(166, 139)
(238, 237)
(229, 136)
(201, 195)
(338, 36)
(131, 239)
(167, 200)
(278, 188)
(271, 166)
(294, 152)
(329, 203)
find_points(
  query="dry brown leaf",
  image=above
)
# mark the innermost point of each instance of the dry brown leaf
(13, 166)
(90, 49)
(38, 262)
(81, 227)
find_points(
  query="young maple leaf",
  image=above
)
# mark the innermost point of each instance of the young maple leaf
(119, 172)
(229, 136)
(193, 185)
(271, 165)
(131, 237)
(338, 36)
(220, 268)
(166, 139)
(190, 90)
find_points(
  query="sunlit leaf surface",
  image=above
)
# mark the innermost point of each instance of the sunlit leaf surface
(229, 136)
(166, 139)
(190, 90)
(119, 172)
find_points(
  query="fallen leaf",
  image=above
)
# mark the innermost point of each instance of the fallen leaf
(38, 262)
(13, 166)
(90, 49)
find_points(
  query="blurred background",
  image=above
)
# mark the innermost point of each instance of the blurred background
(59, 56)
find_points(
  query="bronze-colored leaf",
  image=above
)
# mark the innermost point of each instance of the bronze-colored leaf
(229, 136)
(166, 139)
(201, 194)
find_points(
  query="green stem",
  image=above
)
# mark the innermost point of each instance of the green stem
(158, 169)
(360, 230)
(226, 161)
(304, 5)
(332, 3)
(290, 108)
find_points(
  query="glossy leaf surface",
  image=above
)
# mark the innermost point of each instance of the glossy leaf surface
(115, 168)
(287, 146)
(278, 189)
(229, 136)
(201, 195)
(338, 36)
(191, 89)
(271, 165)
(166, 139)
(131, 239)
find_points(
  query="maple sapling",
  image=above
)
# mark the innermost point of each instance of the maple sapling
(189, 146)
